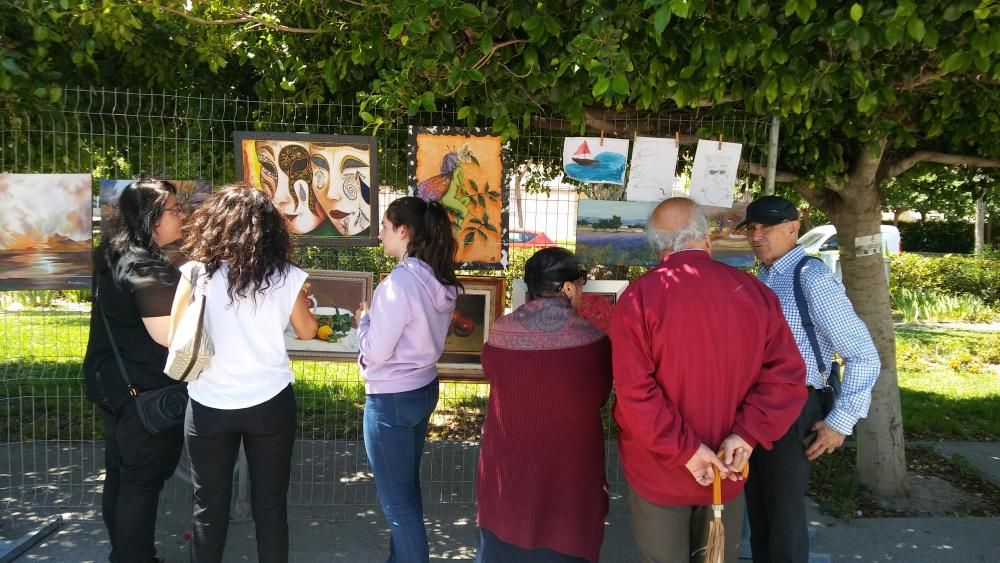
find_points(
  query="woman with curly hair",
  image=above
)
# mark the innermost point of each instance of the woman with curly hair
(134, 284)
(240, 252)
(401, 337)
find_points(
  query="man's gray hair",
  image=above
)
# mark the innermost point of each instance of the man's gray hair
(696, 229)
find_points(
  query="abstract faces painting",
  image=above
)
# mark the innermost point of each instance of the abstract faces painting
(465, 172)
(326, 186)
(45, 231)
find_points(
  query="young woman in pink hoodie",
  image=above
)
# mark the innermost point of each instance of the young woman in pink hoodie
(401, 336)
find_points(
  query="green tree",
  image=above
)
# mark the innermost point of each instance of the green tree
(865, 90)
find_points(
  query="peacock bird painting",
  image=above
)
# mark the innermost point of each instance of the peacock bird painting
(448, 186)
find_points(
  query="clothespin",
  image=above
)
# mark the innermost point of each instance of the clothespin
(677, 138)
(720, 141)
(602, 137)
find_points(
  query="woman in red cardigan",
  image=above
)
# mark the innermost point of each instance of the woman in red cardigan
(541, 491)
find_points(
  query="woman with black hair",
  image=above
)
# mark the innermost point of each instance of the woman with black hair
(540, 490)
(241, 260)
(401, 337)
(134, 285)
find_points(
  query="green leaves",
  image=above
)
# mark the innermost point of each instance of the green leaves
(601, 86)
(620, 84)
(915, 27)
(661, 18)
(469, 11)
(856, 12)
(867, 103)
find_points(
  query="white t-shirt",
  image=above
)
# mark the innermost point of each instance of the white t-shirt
(250, 365)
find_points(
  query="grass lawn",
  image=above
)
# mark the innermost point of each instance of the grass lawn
(949, 383)
(949, 386)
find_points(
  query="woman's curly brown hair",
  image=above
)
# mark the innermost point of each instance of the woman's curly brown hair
(240, 226)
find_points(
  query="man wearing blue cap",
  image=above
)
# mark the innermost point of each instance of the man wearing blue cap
(823, 321)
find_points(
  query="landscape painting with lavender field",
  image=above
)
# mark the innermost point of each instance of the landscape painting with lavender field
(613, 233)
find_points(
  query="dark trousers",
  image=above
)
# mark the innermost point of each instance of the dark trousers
(138, 463)
(776, 491)
(213, 437)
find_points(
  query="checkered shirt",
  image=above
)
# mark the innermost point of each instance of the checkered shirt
(838, 329)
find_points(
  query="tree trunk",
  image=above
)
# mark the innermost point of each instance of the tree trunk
(805, 218)
(980, 222)
(881, 454)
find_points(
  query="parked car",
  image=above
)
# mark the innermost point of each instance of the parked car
(824, 238)
(520, 238)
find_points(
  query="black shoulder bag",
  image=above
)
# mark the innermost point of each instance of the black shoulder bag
(159, 409)
(831, 390)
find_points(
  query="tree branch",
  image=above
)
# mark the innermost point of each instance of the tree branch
(905, 163)
(920, 81)
(486, 58)
(818, 198)
(245, 17)
(780, 176)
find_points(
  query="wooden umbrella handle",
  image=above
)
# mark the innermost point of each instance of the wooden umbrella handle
(717, 482)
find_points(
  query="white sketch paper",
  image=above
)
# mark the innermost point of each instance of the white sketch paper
(651, 176)
(595, 160)
(713, 175)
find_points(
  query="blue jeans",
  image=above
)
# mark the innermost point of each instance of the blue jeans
(395, 426)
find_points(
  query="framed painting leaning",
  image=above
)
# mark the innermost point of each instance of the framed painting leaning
(478, 306)
(335, 296)
(325, 185)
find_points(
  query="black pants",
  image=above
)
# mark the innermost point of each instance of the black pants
(138, 463)
(776, 491)
(213, 437)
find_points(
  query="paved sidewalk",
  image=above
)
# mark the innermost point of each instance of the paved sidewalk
(359, 535)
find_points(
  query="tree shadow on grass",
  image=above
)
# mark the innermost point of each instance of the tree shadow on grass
(933, 416)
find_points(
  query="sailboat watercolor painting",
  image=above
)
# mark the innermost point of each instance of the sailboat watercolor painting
(595, 160)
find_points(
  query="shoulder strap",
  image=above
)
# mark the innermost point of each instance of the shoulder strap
(803, 306)
(114, 346)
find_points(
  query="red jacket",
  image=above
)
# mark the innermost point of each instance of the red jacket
(701, 350)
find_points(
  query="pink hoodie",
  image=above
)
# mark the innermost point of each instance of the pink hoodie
(402, 336)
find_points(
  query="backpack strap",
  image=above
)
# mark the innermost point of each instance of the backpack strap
(807, 324)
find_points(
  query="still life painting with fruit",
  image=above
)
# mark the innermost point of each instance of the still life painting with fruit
(333, 297)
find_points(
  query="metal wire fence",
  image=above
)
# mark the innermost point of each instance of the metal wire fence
(51, 453)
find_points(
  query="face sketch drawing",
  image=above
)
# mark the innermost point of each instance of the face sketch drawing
(717, 185)
(286, 174)
(341, 179)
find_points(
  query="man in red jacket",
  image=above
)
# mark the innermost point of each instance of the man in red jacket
(704, 362)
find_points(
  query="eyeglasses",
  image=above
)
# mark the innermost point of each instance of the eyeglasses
(176, 210)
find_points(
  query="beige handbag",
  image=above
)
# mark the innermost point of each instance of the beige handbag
(191, 347)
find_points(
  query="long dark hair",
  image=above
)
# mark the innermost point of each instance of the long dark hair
(548, 269)
(240, 226)
(431, 239)
(132, 223)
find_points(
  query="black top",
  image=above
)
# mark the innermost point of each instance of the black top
(140, 285)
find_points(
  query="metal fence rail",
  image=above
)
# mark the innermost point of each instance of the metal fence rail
(51, 453)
